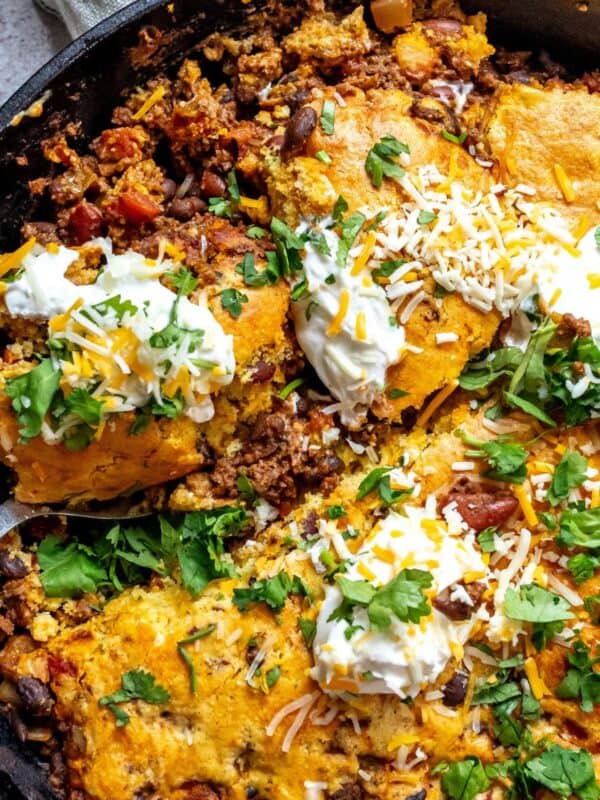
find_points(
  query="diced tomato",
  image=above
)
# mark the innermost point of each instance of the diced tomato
(85, 222)
(137, 207)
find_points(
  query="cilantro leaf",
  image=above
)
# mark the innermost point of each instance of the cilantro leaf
(402, 597)
(581, 681)
(349, 230)
(83, 405)
(426, 217)
(308, 629)
(232, 300)
(464, 780)
(506, 459)
(137, 684)
(496, 693)
(387, 268)
(564, 771)
(583, 566)
(486, 538)
(339, 209)
(544, 609)
(220, 207)
(592, 606)
(379, 480)
(580, 528)
(381, 162)
(120, 307)
(184, 281)
(32, 395)
(272, 591)
(68, 569)
(327, 118)
(123, 555)
(569, 474)
(252, 277)
(256, 232)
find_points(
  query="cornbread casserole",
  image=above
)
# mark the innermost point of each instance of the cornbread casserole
(335, 312)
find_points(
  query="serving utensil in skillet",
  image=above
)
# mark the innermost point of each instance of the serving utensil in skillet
(13, 513)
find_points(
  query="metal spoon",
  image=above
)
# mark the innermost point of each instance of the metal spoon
(13, 513)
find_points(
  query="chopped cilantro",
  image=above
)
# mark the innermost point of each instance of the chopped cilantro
(330, 279)
(592, 606)
(308, 629)
(32, 395)
(220, 207)
(272, 676)
(186, 657)
(339, 209)
(80, 403)
(232, 300)
(546, 611)
(300, 290)
(335, 512)
(387, 268)
(537, 381)
(232, 186)
(583, 566)
(450, 137)
(288, 245)
(349, 230)
(379, 480)
(184, 281)
(256, 232)
(324, 157)
(381, 162)
(506, 459)
(564, 771)
(137, 684)
(402, 597)
(395, 394)
(569, 474)
(464, 780)
(582, 681)
(485, 539)
(580, 528)
(426, 217)
(327, 118)
(272, 591)
(115, 304)
(121, 555)
(252, 277)
(245, 488)
(289, 388)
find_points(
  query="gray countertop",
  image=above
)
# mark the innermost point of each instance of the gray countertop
(28, 38)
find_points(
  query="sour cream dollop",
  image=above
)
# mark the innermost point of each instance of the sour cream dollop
(571, 285)
(346, 327)
(406, 657)
(112, 338)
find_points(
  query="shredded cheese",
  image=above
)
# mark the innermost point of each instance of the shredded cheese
(437, 401)
(564, 183)
(154, 98)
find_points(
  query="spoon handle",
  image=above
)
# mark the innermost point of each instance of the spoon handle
(13, 513)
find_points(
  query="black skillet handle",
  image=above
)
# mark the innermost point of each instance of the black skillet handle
(572, 27)
(20, 776)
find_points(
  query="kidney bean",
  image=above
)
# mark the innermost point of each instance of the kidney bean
(85, 222)
(298, 131)
(263, 372)
(212, 185)
(455, 690)
(484, 509)
(35, 696)
(11, 566)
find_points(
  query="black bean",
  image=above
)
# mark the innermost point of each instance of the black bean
(420, 795)
(349, 791)
(455, 690)
(35, 696)
(17, 725)
(169, 187)
(444, 26)
(11, 566)
(184, 208)
(297, 132)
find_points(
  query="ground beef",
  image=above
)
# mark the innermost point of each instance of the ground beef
(277, 462)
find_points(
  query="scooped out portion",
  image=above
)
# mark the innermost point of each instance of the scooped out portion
(132, 367)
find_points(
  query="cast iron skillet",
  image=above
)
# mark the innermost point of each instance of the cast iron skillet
(86, 82)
